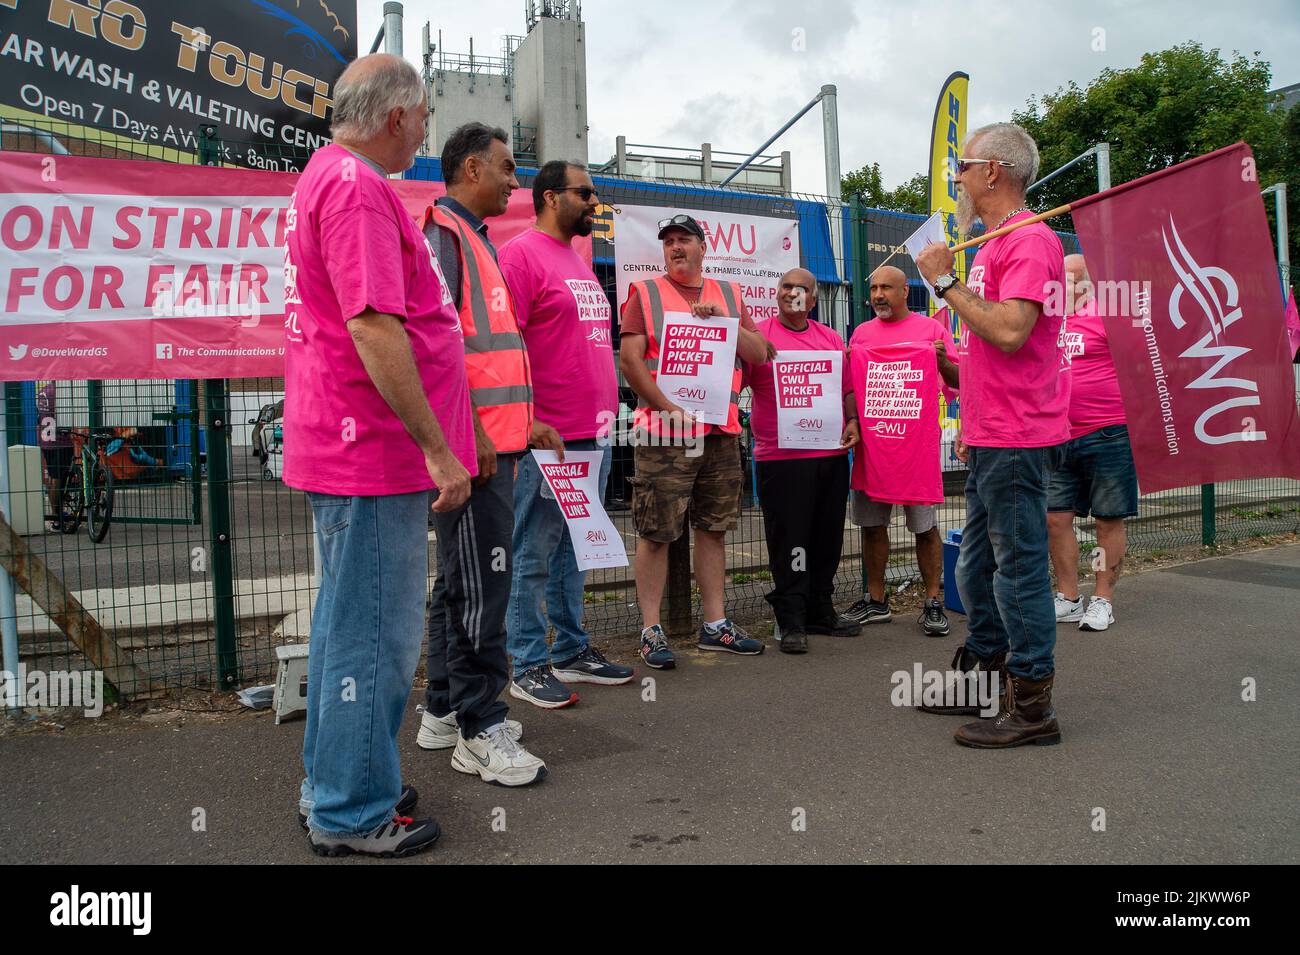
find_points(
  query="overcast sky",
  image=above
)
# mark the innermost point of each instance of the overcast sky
(727, 71)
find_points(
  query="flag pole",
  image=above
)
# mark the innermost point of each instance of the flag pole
(981, 239)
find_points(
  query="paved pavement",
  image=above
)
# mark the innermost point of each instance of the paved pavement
(720, 764)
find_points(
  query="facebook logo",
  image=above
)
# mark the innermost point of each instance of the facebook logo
(163, 350)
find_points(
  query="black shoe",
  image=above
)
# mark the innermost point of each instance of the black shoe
(933, 621)
(835, 625)
(974, 674)
(867, 610)
(405, 803)
(794, 640)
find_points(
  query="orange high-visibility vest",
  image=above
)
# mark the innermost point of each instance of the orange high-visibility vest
(496, 362)
(658, 296)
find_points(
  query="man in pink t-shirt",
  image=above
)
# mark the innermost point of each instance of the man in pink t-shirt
(895, 325)
(802, 491)
(567, 324)
(1097, 475)
(1014, 409)
(376, 414)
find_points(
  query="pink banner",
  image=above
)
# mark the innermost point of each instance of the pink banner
(126, 269)
(1185, 278)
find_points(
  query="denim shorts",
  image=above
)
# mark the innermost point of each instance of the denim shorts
(1097, 476)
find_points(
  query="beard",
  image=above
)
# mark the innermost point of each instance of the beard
(966, 214)
(583, 226)
(883, 311)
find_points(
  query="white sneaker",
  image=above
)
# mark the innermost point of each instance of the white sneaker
(1100, 615)
(1068, 611)
(497, 758)
(441, 732)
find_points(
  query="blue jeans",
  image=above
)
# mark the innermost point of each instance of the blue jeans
(366, 631)
(1002, 570)
(545, 567)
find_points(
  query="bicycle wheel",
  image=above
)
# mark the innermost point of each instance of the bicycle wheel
(72, 500)
(99, 510)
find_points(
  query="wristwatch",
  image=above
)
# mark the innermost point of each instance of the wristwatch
(944, 282)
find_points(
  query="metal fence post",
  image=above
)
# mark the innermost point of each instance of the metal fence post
(222, 559)
(679, 585)
(1208, 531)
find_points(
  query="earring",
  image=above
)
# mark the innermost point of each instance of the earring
(990, 186)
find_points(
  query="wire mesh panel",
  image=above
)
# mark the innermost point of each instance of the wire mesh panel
(206, 564)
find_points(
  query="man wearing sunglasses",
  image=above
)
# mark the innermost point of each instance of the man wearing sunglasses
(681, 465)
(1015, 418)
(567, 324)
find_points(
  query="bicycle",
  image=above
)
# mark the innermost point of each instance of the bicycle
(88, 488)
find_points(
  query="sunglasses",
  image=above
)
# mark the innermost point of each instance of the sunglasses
(675, 220)
(960, 166)
(585, 193)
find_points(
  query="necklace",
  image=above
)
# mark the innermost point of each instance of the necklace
(1013, 212)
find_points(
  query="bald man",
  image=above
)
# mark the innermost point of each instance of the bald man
(895, 323)
(1097, 475)
(802, 491)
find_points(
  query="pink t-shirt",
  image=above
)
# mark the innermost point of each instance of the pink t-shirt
(1022, 399)
(567, 325)
(762, 415)
(352, 247)
(898, 462)
(1094, 390)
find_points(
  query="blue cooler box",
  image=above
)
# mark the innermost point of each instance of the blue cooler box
(951, 548)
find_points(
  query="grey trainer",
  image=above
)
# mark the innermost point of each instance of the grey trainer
(398, 838)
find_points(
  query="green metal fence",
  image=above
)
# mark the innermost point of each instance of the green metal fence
(207, 565)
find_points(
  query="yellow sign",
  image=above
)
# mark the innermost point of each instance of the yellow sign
(948, 134)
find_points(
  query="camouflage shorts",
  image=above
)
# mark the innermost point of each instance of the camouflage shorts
(668, 484)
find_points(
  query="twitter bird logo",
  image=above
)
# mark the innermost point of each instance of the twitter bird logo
(17, 352)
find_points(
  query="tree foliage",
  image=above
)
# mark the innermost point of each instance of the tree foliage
(911, 196)
(1175, 104)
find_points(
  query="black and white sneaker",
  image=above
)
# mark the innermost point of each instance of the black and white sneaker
(590, 666)
(401, 836)
(540, 687)
(933, 621)
(869, 611)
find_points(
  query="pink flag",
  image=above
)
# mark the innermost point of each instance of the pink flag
(1183, 266)
(897, 388)
(1292, 323)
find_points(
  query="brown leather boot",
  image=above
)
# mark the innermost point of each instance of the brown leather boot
(964, 664)
(1027, 716)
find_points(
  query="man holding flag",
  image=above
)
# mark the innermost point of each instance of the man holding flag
(1015, 401)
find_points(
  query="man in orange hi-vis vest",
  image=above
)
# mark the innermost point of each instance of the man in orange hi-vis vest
(468, 666)
(682, 464)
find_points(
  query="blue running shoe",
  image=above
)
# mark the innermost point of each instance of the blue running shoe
(729, 638)
(654, 649)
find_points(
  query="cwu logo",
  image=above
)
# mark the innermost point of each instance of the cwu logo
(1209, 296)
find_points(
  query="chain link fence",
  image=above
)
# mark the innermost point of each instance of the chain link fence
(206, 564)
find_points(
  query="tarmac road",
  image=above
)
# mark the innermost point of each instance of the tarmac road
(719, 765)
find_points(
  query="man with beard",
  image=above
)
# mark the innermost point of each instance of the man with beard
(567, 325)
(467, 665)
(1015, 403)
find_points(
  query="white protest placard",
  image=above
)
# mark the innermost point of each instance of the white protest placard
(697, 358)
(809, 399)
(575, 482)
(931, 231)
